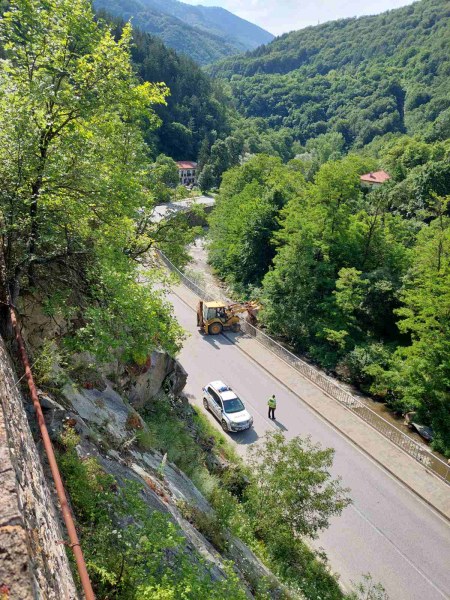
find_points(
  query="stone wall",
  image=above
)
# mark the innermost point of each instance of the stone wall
(33, 562)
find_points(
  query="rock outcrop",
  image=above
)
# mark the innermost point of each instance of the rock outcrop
(161, 372)
(107, 426)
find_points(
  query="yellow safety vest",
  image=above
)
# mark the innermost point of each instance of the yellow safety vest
(272, 403)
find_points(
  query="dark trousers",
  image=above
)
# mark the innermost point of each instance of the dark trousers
(271, 413)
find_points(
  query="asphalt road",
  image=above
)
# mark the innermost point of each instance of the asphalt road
(387, 531)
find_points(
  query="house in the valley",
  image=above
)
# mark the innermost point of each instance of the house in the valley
(187, 171)
(374, 180)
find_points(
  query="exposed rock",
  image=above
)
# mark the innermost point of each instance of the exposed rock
(15, 574)
(36, 324)
(163, 372)
(104, 409)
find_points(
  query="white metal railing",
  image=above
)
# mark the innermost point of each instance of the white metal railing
(419, 452)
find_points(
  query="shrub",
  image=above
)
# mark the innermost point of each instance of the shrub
(46, 366)
(207, 524)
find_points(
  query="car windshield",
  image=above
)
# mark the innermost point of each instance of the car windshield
(233, 405)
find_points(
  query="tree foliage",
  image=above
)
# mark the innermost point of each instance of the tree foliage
(361, 78)
(419, 378)
(73, 165)
(355, 279)
(292, 489)
(245, 218)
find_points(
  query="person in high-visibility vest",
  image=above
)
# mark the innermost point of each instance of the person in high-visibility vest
(272, 403)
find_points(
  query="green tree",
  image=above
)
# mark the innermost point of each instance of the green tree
(241, 229)
(292, 487)
(420, 374)
(327, 146)
(206, 179)
(245, 218)
(312, 245)
(72, 158)
(163, 178)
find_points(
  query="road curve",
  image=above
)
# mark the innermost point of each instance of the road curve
(387, 531)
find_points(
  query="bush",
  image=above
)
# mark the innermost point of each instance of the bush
(168, 434)
(207, 524)
(46, 367)
(359, 364)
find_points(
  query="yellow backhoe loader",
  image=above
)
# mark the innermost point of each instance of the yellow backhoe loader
(218, 316)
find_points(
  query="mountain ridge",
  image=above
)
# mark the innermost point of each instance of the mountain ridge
(206, 34)
(391, 70)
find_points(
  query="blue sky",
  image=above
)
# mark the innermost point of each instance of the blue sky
(279, 16)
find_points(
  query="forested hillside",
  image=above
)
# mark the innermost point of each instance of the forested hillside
(195, 107)
(356, 279)
(205, 34)
(360, 77)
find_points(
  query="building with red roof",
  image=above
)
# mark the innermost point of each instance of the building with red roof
(374, 179)
(187, 170)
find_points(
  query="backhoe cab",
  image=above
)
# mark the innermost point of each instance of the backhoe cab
(215, 317)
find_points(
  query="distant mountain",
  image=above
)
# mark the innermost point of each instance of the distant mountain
(206, 34)
(361, 77)
(195, 107)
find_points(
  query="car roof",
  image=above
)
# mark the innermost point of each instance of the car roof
(219, 386)
(228, 395)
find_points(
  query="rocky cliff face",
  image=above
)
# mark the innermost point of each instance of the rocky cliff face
(108, 424)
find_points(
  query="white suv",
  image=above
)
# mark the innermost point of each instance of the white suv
(226, 406)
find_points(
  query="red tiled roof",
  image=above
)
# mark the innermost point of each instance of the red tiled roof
(376, 177)
(186, 164)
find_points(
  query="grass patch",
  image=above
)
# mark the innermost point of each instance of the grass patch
(168, 434)
(208, 524)
(221, 443)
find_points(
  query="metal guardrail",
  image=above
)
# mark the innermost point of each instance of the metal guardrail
(419, 452)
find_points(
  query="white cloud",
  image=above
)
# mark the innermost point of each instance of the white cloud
(279, 16)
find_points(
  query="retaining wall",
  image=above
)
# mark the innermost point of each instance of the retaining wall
(33, 561)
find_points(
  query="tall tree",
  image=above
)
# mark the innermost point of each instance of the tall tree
(72, 158)
(420, 374)
(245, 218)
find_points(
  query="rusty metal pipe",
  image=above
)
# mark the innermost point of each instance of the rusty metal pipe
(70, 525)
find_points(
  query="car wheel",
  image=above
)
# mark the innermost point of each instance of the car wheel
(205, 403)
(224, 425)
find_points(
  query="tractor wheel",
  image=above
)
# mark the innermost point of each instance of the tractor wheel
(236, 327)
(205, 403)
(224, 425)
(215, 329)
